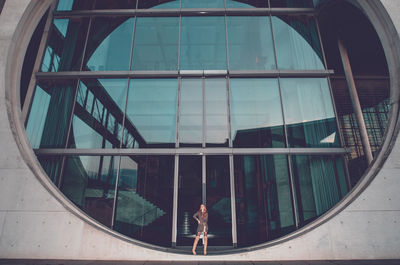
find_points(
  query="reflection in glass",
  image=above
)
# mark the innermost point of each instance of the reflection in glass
(203, 43)
(216, 111)
(156, 43)
(48, 120)
(109, 44)
(218, 201)
(89, 182)
(189, 198)
(263, 199)
(256, 114)
(151, 112)
(246, 3)
(250, 43)
(297, 43)
(291, 3)
(98, 114)
(52, 167)
(191, 113)
(164, 4)
(317, 181)
(64, 50)
(309, 113)
(144, 202)
(203, 4)
(119, 4)
(68, 5)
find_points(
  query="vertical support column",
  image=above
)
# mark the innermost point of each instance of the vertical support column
(233, 201)
(355, 101)
(175, 203)
(203, 180)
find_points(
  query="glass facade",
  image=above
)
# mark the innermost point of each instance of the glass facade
(197, 99)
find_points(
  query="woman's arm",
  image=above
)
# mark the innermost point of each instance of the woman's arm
(195, 217)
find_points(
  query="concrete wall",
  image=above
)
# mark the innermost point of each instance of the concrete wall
(36, 221)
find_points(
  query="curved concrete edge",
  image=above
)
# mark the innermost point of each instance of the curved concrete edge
(35, 223)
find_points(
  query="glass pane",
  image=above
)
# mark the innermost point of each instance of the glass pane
(89, 182)
(216, 111)
(316, 185)
(263, 198)
(219, 201)
(109, 44)
(119, 4)
(98, 114)
(191, 113)
(246, 3)
(151, 112)
(164, 4)
(203, 43)
(309, 113)
(250, 43)
(189, 198)
(65, 46)
(145, 194)
(203, 4)
(68, 5)
(156, 43)
(256, 114)
(291, 3)
(52, 167)
(50, 113)
(297, 43)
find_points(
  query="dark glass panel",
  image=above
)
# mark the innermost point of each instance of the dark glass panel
(151, 112)
(250, 43)
(156, 43)
(263, 199)
(68, 5)
(256, 113)
(164, 4)
(65, 46)
(203, 4)
(50, 113)
(309, 114)
(218, 201)
(203, 43)
(191, 113)
(216, 111)
(98, 114)
(246, 3)
(109, 44)
(316, 179)
(52, 167)
(297, 43)
(115, 4)
(291, 3)
(145, 194)
(89, 182)
(189, 197)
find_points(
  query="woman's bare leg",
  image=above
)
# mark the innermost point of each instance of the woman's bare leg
(205, 243)
(196, 240)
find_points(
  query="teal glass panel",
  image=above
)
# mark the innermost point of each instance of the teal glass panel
(316, 180)
(203, 4)
(203, 43)
(189, 198)
(218, 198)
(159, 4)
(156, 43)
(291, 3)
(89, 182)
(309, 114)
(98, 114)
(256, 113)
(246, 3)
(344, 187)
(52, 167)
(264, 208)
(250, 43)
(216, 111)
(109, 44)
(64, 50)
(48, 120)
(151, 112)
(297, 43)
(191, 113)
(145, 198)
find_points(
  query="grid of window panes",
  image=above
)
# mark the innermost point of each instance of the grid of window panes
(162, 86)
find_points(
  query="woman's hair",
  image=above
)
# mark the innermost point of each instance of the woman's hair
(205, 212)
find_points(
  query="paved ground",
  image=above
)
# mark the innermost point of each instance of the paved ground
(322, 262)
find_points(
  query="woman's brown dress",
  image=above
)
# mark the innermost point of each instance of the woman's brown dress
(202, 226)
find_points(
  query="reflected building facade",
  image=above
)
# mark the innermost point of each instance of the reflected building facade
(139, 116)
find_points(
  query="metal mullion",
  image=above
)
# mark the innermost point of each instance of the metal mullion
(295, 208)
(38, 62)
(114, 209)
(228, 98)
(203, 90)
(233, 200)
(178, 111)
(175, 202)
(204, 179)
